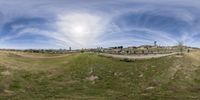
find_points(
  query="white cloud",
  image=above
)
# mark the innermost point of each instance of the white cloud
(83, 29)
(85, 24)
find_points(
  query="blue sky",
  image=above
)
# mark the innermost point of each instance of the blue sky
(55, 24)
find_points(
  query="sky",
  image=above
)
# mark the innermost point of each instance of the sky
(54, 24)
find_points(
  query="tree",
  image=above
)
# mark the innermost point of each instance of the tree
(180, 47)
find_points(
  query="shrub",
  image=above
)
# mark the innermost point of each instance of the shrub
(126, 60)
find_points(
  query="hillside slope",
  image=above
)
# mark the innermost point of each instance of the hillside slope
(89, 76)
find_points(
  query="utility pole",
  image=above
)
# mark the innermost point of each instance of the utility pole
(155, 43)
(70, 48)
(180, 47)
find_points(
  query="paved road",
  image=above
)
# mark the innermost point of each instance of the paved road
(138, 56)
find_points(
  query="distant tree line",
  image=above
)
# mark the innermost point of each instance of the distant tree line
(52, 51)
(62, 51)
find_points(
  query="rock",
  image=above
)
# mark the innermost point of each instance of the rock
(141, 75)
(115, 74)
(92, 78)
(8, 92)
(150, 88)
(153, 66)
(6, 73)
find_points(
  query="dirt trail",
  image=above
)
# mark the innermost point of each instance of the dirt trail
(137, 56)
(43, 57)
(35, 56)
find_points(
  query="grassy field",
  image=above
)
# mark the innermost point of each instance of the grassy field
(88, 76)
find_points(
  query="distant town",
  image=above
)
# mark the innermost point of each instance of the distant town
(131, 50)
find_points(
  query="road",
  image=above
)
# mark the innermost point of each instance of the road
(137, 56)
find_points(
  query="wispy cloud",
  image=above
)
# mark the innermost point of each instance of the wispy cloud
(89, 23)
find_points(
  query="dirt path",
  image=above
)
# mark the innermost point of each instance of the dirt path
(137, 56)
(32, 55)
(42, 56)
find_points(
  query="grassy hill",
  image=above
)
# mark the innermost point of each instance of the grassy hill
(88, 76)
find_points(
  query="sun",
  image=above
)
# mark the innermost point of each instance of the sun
(82, 29)
(79, 31)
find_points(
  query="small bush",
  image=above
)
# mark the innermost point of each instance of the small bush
(126, 60)
(82, 51)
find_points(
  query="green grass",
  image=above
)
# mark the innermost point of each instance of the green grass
(66, 78)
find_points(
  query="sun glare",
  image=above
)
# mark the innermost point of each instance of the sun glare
(79, 30)
(82, 28)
